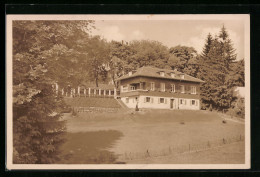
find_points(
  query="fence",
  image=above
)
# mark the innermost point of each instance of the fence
(174, 150)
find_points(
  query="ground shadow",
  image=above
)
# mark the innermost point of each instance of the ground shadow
(89, 147)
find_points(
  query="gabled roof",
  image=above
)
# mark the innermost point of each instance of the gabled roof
(150, 71)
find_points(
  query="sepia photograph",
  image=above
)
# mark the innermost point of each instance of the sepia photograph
(128, 91)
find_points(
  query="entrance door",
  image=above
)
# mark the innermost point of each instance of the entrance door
(172, 103)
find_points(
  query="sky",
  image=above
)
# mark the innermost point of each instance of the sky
(171, 33)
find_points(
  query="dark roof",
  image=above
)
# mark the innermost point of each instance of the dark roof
(150, 71)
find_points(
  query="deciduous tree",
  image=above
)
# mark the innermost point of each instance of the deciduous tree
(43, 52)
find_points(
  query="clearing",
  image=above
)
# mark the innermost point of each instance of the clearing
(153, 136)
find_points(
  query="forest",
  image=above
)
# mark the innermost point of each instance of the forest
(46, 52)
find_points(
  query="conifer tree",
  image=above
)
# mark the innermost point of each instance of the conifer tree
(207, 46)
(216, 63)
(227, 51)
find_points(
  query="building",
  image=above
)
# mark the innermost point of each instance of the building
(150, 87)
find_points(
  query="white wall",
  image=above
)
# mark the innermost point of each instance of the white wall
(187, 104)
(155, 104)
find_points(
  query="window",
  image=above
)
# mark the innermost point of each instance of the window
(182, 88)
(193, 102)
(161, 100)
(127, 100)
(162, 73)
(183, 101)
(193, 90)
(162, 87)
(172, 88)
(132, 87)
(172, 75)
(152, 86)
(148, 99)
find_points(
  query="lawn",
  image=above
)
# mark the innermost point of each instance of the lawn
(108, 137)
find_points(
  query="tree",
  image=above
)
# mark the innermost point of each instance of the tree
(119, 57)
(97, 58)
(180, 56)
(217, 63)
(38, 50)
(192, 67)
(227, 50)
(207, 46)
(237, 74)
(147, 52)
(210, 73)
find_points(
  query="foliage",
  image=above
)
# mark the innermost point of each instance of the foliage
(119, 57)
(220, 71)
(180, 57)
(97, 58)
(43, 53)
(147, 52)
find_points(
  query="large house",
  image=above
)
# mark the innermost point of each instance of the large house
(150, 87)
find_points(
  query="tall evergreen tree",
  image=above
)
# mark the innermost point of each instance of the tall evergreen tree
(228, 52)
(216, 63)
(207, 46)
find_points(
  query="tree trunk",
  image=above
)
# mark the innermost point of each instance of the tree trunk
(96, 79)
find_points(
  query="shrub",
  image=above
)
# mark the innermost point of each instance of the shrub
(238, 109)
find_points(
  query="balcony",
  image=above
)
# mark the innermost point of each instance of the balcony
(133, 87)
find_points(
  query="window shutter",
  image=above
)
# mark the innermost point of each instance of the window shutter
(185, 102)
(165, 100)
(151, 100)
(196, 102)
(190, 102)
(159, 100)
(144, 99)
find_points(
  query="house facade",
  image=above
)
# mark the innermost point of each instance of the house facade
(150, 87)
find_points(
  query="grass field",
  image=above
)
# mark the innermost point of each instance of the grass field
(106, 137)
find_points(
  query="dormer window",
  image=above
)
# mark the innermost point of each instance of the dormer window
(172, 75)
(162, 73)
(130, 73)
(182, 76)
